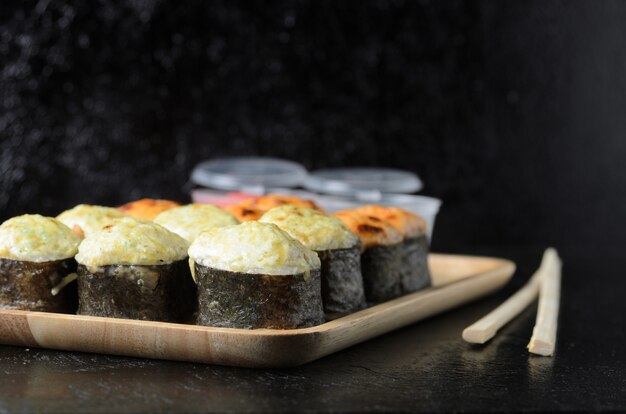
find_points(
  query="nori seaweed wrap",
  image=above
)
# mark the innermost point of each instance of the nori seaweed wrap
(29, 285)
(381, 258)
(254, 275)
(342, 280)
(242, 300)
(163, 292)
(338, 249)
(415, 273)
(382, 272)
(135, 269)
(37, 264)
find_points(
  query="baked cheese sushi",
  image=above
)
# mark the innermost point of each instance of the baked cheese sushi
(253, 208)
(190, 220)
(244, 213)
(381, 258)
(37, 264)
(415, 273)
(135, 269)
(147, 208)
(254, 275)
(85, 219)
(338, 248)
(269, 201)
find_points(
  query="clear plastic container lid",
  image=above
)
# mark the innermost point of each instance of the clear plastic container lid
(364, 183)
(248, 174)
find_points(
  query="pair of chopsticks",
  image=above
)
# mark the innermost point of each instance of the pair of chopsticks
(545, 282)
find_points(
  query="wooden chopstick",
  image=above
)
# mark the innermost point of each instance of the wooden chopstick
(543, 340)
(485, 328)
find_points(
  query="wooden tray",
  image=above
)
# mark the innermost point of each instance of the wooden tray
(456, 280)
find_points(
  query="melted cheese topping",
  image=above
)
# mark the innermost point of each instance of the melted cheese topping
(253, 247)
(267, 202)
(314, 229)
(131, 241)
(147, 208)
(36, 238)
(191, 220)
(371, 230)
(86, 219)
(407, 223)
(244, 213)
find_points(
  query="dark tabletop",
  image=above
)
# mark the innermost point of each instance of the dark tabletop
(425, 367)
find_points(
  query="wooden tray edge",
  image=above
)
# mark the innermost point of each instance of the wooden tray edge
(239, 347)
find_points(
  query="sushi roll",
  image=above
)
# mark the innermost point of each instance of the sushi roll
(85, 219)
(242, 213)
(37, 264)
(135, 269)
(415, 273)
(268, 202)
(339, 251)
(254, 275)
(381, 258)
(147, 208)
(190, 220)
(253, 208)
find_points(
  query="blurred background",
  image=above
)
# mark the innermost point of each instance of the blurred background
(513, 113)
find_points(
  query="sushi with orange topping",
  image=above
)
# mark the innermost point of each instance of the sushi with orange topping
(381, 257)
(413, 228)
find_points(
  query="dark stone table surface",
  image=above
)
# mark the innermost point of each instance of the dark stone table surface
(425, 367)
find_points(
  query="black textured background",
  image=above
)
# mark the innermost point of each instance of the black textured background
(512, 112)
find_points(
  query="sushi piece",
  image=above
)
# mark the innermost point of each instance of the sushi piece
(254, 275)
(135, 269)
(267, 202)
(37, 264)
(147, 208)
(381, 258)
(85, 219)
(339, 251)
(253, 208)
(415, 273)
(244, 213)
(190, 220)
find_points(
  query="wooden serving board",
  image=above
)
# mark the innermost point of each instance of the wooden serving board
(456, 280)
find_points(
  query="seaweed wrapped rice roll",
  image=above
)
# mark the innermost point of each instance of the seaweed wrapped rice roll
(253, 208)
(85, 219)
(244, 213)
(269, 201)
(415, 273)
(147, 208)
(37, 264)
(338, 248)
(190, 220)
(381, 258)
(135, 269)
(254, 275)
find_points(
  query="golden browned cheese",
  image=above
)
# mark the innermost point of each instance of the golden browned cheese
(268, 202)
(371, 230)
(147, 208)
(243, 213)
(312, 228)
(407, 223)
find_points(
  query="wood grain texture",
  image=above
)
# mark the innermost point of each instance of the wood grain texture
(456, 280)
